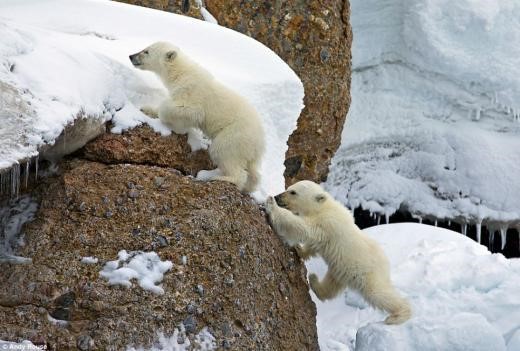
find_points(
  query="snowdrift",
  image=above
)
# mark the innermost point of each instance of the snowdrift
(463, 297)
(64, 59)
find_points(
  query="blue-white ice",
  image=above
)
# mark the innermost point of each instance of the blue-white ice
(434, 123)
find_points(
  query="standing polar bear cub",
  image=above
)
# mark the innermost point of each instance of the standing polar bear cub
(197, 100)
(309, 219)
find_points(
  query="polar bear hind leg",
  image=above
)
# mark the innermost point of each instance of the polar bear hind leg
(382, 295)
(328, 288)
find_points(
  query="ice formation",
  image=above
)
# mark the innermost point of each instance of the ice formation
(433, 126)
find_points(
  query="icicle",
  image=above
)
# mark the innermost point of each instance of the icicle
(479, 230)
(477, 114)
(435, 222)
(15, 180)
(491, 239)
(464, 229)
(378, 219)
(503, 236)
(353, 212)
(36, 168)
(387, 218)
(26, 175)
(420, 220)
(449, 222)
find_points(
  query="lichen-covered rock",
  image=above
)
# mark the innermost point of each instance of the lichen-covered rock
(231, 273)
(314, 38)
(141, 145)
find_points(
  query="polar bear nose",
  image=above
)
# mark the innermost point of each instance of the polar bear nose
(133, 59)
(278, 199)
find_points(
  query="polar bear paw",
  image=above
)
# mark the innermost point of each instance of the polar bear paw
(150, 111)
(270, 204)
(315, 284)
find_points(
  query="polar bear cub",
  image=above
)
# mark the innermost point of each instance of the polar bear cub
(309, 219)
(197, 100)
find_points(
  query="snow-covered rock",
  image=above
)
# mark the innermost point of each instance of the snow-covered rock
(463, 297)
(67, 59)
(433, 127)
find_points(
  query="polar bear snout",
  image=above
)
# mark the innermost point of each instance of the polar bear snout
(136, 61)
(279, 200)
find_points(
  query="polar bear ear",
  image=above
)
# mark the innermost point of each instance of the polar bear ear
(320, 198)
(170, 55)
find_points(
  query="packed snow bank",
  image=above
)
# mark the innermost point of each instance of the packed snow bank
(463, 297)
(146, 267)
(69, 58)
(433, 127)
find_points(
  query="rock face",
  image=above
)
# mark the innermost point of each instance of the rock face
(143, 146)
(236, 279)
(314, 38)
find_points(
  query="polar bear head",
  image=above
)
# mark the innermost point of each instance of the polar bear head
(303, 198)
(157, 57)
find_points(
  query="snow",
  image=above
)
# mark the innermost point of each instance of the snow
(463, 297)
(75, 62)
(146, 267)
(433, 128)
(89, 260)
(178, 341)
(13, 215)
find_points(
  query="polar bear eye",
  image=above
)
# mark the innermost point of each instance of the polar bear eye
(292, 192)
(145, 52)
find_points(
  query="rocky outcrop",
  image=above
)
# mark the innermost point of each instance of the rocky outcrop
(231, 274)
(142, 145)
(314, 38)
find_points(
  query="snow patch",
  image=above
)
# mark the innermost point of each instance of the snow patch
(14, 214)
(89, 260)
(146, 267)
(179, 341)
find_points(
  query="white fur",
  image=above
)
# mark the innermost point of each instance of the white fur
(197, 100)
(316, 224)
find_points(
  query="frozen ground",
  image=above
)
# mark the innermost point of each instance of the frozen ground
(434, 125)
(58, 64)
(463, 297)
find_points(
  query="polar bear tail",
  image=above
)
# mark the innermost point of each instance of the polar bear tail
(253, 177)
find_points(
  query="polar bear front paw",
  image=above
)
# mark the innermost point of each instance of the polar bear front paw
(270, 204)
(150, 111)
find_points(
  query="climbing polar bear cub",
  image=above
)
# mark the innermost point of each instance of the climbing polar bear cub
(197, 100)
(309, 219)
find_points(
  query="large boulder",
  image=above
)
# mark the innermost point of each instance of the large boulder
(232, 277)
(314, 38)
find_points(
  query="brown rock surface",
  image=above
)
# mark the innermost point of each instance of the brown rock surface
(142, 145)
(240, 281)
(314, 38)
